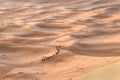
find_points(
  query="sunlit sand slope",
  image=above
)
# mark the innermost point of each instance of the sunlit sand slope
(88, 33)
(111, 72)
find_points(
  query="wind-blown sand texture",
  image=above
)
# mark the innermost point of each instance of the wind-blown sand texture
(88, 33)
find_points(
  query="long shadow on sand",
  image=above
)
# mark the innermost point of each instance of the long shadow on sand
(98, 50)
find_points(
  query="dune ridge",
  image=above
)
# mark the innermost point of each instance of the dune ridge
(87, 31)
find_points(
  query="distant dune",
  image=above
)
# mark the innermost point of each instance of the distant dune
(57, 39)
(44, 1)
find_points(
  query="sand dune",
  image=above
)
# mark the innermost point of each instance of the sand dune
(110, 72)
(87, 31)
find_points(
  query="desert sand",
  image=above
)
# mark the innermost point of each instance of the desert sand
(87, 31)
(110, 72)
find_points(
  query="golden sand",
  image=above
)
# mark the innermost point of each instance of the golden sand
(87, 31)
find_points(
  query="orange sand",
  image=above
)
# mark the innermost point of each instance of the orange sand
(87, 31)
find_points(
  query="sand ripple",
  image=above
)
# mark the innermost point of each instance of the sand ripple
(87, 31)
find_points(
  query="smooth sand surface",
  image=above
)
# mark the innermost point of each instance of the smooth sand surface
(111, 72)
(88, 33)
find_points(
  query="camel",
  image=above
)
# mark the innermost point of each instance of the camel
(58, 50)
(49, 57)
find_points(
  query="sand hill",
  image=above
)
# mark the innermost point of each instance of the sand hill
(88, 33)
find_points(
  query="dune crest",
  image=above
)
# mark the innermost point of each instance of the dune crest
(88, 33)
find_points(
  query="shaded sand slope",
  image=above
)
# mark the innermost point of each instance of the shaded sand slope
(87, 31)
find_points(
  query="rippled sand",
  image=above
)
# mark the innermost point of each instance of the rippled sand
(88, 33)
